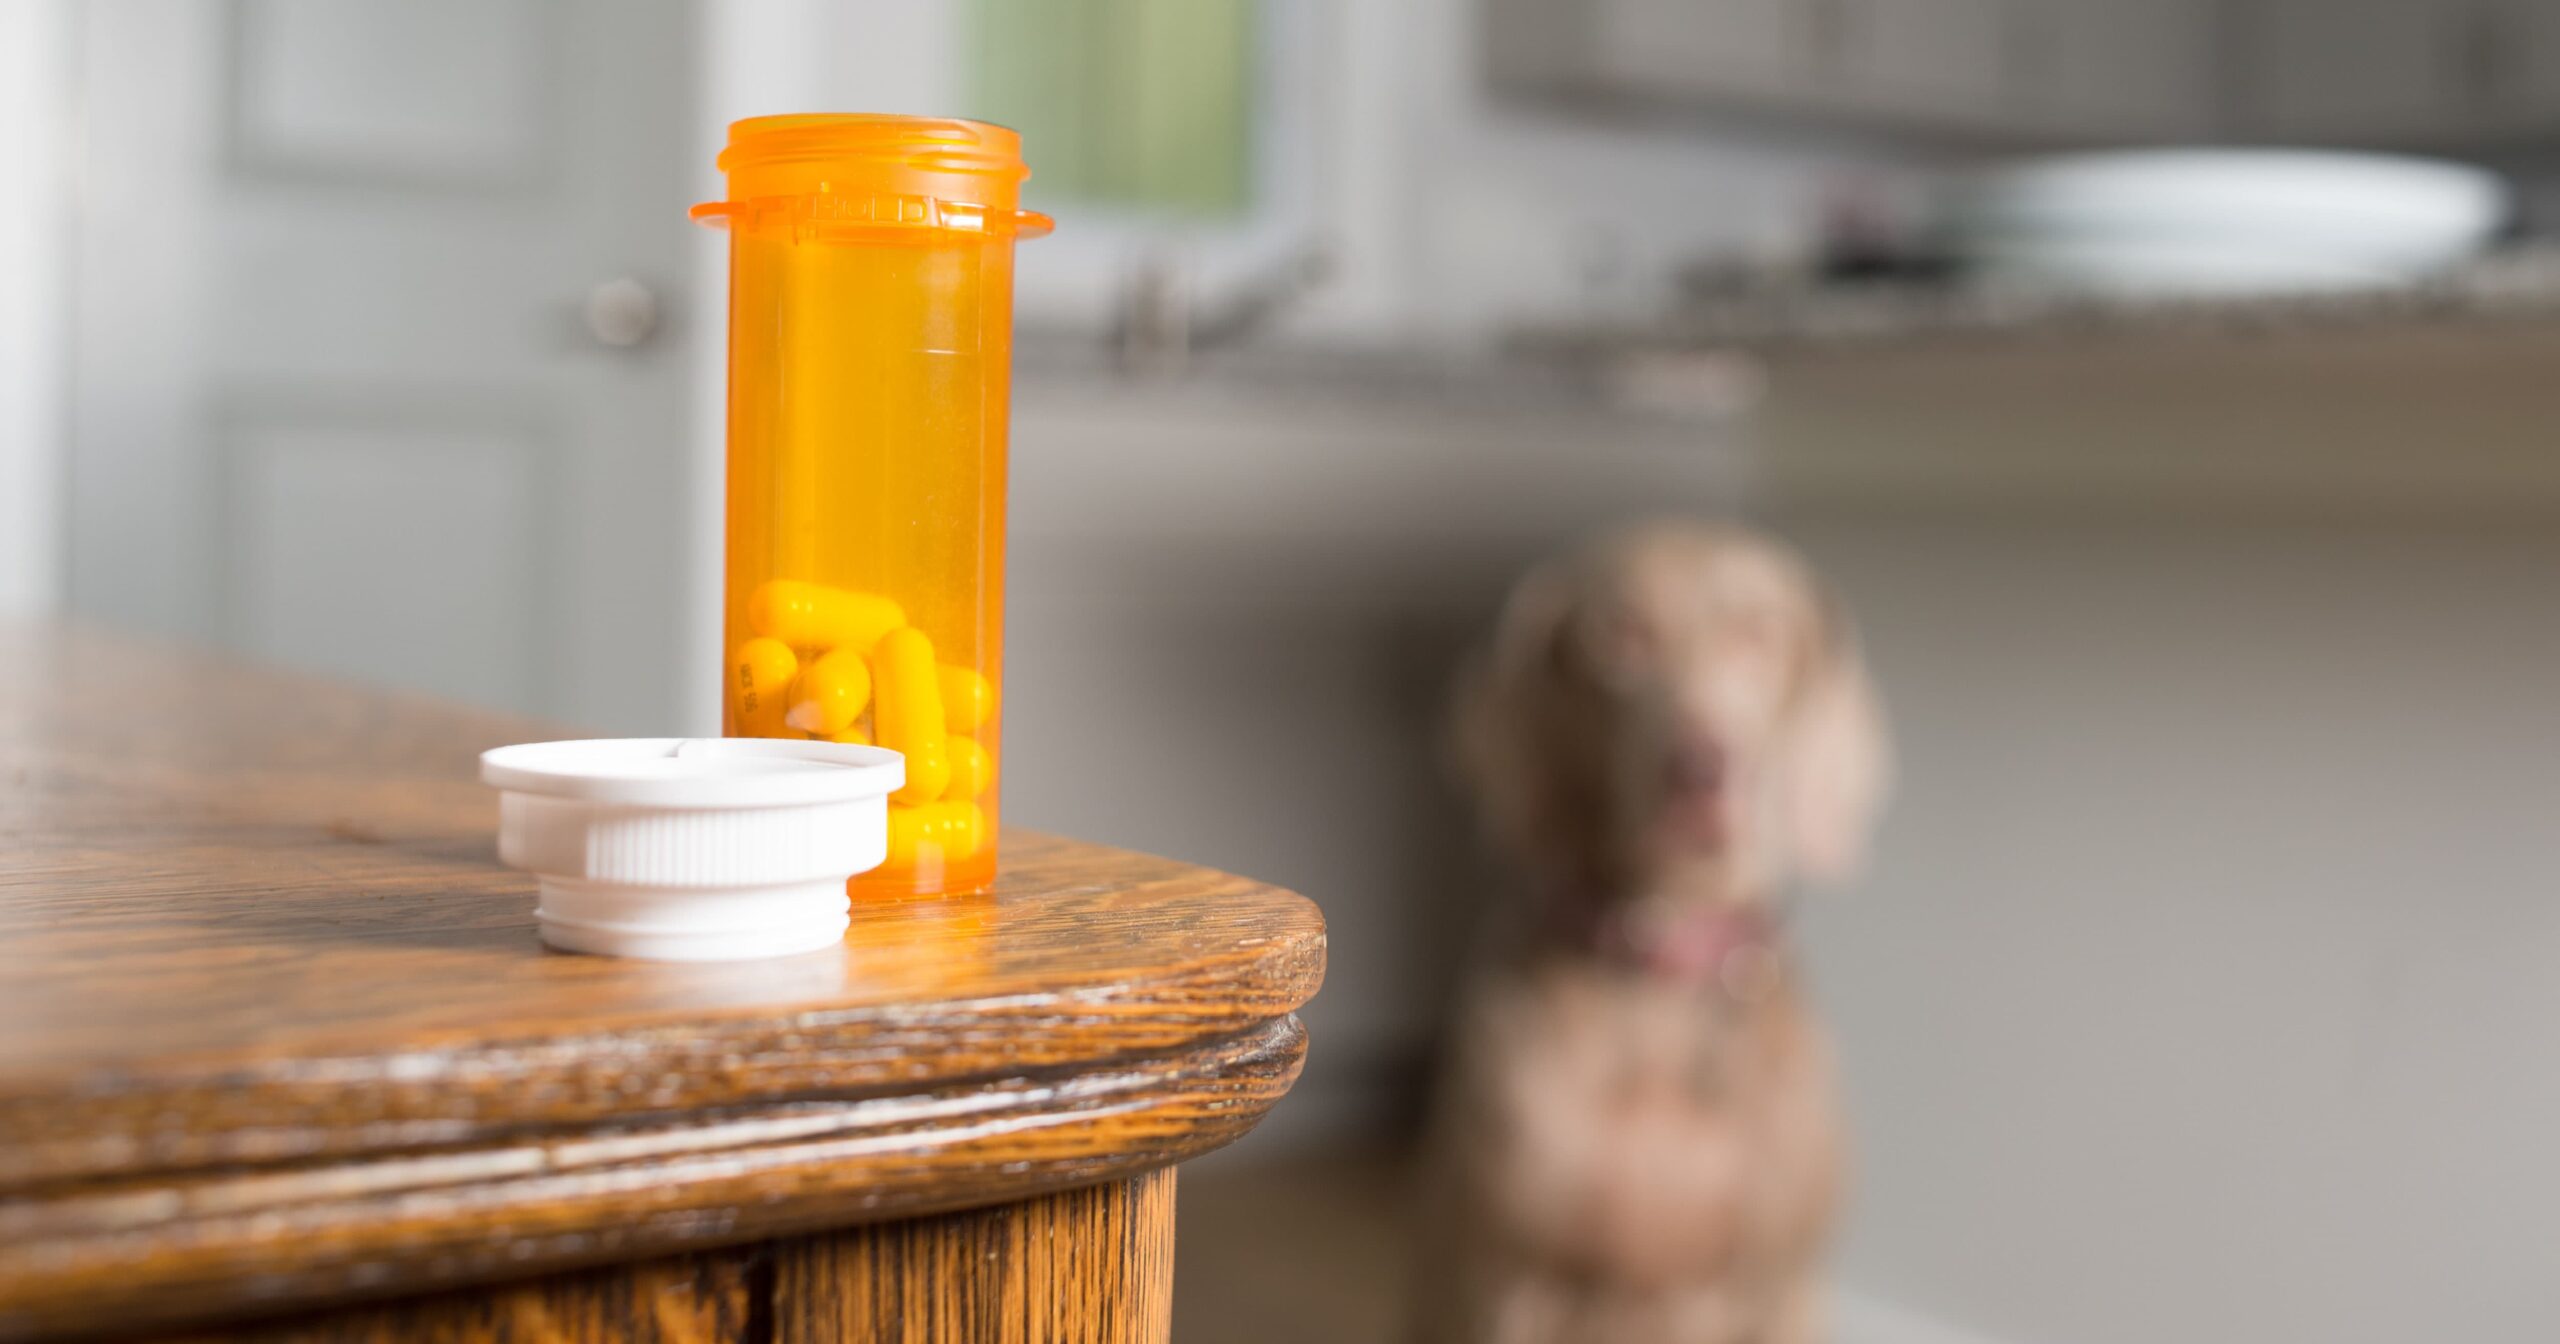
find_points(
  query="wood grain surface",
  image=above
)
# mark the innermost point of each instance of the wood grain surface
(1086, 1266)
(1090, 1266)
(723, 1296)
(275, 1027)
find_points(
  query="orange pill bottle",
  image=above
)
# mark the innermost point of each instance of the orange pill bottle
(870, 369)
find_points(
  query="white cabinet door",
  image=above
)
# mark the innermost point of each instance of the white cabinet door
(336, 404)
(1931, 59)
(2123, 71)
(1705, 48)
(2360, 70)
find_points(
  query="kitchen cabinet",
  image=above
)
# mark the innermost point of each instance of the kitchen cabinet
(1764, 47)
(1676, 51)
(2519, 45)
(2422, 74)
(2035, 70)
(1938, 60)
(2437, 75)
(2357, 70)
(2114, 71)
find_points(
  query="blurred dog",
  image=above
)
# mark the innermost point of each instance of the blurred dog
(1637, 1139)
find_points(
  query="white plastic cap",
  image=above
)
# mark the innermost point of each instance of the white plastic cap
(693, 849)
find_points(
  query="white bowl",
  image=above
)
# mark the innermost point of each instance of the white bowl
(2226, 221)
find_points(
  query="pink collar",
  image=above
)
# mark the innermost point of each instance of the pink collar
(1730, 946)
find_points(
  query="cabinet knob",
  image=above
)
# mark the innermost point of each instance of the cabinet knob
(622, 313)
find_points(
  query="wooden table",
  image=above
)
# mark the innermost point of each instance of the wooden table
(280, 1056)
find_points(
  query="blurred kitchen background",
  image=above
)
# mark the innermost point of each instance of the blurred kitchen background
(2204, 522)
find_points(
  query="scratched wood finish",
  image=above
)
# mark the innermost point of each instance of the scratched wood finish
(278, 1030)
(1090, 1266)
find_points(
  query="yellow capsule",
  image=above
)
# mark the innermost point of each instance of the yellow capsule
(968, 700)
(945, 832)
(906, 836)
(815, 616)
(760, 685)
(854, 734)
(832, 693)
(961, 827)
(909, 716)
(973, 768)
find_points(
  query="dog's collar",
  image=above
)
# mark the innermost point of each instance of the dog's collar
(1732, 947)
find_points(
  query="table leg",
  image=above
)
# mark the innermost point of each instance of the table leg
(1091, 1266)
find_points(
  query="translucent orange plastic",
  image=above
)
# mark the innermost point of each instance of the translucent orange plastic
(870, 370)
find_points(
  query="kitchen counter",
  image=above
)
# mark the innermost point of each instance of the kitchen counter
(2520, 287)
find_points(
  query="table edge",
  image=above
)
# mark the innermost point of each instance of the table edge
(266, 1241)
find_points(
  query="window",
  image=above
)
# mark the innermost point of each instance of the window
(1142, 105)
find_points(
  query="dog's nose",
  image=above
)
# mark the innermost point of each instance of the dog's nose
(1698, 766)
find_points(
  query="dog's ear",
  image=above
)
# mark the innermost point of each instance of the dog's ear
(1494, 726)
(1839, 762)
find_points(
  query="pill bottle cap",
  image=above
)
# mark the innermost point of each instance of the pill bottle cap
(692, 849)
(874, 177)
